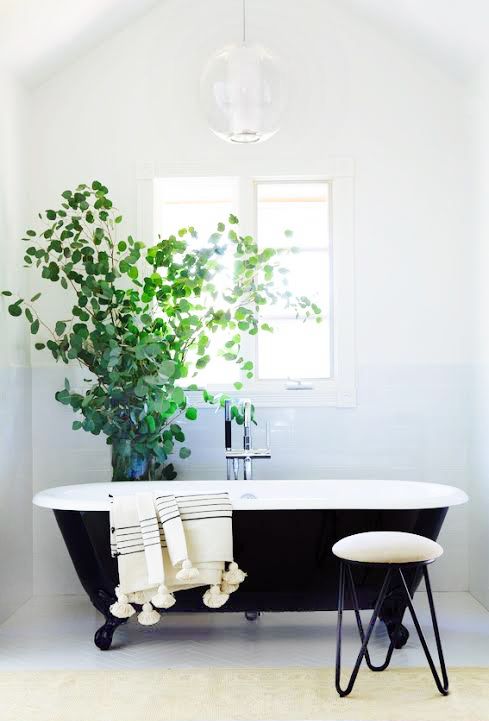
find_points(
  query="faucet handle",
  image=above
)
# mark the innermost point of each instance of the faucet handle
(227, 425)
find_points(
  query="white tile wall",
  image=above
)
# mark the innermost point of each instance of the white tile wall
(15, 489)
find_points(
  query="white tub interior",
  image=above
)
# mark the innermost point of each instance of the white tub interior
(268, 495)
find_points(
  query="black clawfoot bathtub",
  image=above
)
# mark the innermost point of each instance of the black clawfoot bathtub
(283, 533)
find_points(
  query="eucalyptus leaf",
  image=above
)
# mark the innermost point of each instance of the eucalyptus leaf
(178, 396)
(167, 368)
(15, 309)
(191, 414)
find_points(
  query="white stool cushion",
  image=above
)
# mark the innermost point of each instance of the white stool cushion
(387, 547)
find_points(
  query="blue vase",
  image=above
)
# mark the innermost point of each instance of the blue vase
(127, 463)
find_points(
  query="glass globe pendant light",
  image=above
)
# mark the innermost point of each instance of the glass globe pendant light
(242, 92)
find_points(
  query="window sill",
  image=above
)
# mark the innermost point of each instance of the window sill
(324, 395)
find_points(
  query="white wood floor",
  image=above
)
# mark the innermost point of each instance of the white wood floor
(57, 632)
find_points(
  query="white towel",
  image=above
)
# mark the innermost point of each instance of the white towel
(169, 543)
(207, 522)
(171, 523)
(128, 545)
(150, 530)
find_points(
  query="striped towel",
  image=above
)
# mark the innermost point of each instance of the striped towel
(168, 543)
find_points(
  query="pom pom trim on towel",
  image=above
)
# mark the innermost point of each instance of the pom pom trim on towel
(228, 588)
(148, 615)
(137, 597)
(234, 574)
(122, 608)
(214, 597)
(187, 572)
(163, 598)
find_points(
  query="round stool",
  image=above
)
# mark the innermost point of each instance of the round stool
(395, 551)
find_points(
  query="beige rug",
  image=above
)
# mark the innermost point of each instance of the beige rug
(215, 694)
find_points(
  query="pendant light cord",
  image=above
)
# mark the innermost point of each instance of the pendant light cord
(244, 22)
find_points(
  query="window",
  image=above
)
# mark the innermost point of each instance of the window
(299, 363)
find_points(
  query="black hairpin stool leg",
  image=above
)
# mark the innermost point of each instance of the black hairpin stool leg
(366, 637)
(442, 687)
(356, 609)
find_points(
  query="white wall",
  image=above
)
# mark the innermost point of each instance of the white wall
(479, 509)
(354, 92)
(15, 377)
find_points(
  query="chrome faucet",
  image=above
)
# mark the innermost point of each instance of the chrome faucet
(247, 469)
(248, 454)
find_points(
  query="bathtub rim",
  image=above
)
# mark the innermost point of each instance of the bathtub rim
(362, 494)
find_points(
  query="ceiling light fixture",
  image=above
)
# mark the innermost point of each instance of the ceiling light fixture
(242, 92)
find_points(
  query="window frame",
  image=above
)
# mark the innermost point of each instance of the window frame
(340, 389)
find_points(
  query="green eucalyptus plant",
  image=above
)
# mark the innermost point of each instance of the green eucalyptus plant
(142, 319)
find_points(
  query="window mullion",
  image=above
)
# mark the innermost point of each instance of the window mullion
(247, 217)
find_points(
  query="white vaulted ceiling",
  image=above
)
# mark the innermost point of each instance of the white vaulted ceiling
(38, 37)
(456, 30)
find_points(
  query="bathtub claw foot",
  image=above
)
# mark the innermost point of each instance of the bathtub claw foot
(252, 615)
(103, 635)
(391, 614)
(402, 635)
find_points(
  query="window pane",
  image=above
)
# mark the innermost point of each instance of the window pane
(297, 349)
(302, 208)
(308, 275)
(201, 203)
(198, 202)
(219, 371)
(294, 350)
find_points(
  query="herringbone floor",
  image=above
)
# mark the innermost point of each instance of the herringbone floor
(57, 632)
